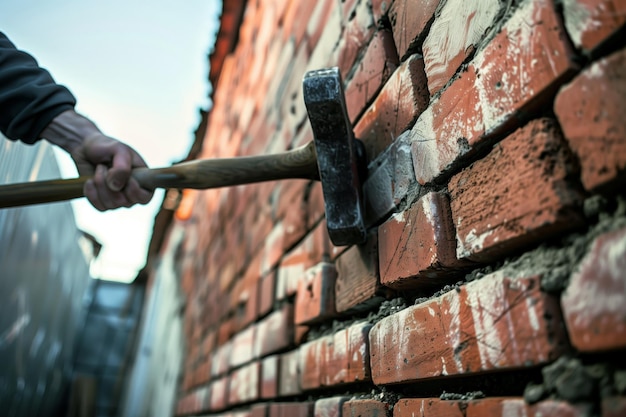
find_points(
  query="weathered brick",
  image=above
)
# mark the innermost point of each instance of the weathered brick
(294, 265)
(525, 182)
(486, 100)
(243, 347)
(402, 99)
(244, 384)
(359, 29)
(267, 288)
(358, 358)
(594, 303)
(275, 332)
(496, 322)
(358, 285)
(246, 310)
(289, 381)
(221, 360)
(488, 407)
(329, 407)
(417, 247)
(260, 410)
(380, 9)
(274, 248)
(294, 409)
(366, 408)
(590, 22)
(458, 28)
(316, 21)
(409, 19)
(310, 363)
(315, 298)
(379, 62)
(591, 112)
(346, 358)
(269, 377)
(219, 394)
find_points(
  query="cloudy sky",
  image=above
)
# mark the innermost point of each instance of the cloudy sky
(139, 69)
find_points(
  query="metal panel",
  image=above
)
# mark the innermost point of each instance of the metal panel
(43, 278)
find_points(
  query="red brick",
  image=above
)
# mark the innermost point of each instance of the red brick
(274, 248)
(243, 347)
(295, 14)
(380, 9)
(244, 384)
(267, 288)
(358, 360)
(269, 377)
(317, 20)
(311, 363)
(221, 359)
(402, 99)
(275, 332)
(366, 408)
(359, 28)
(428, 407)
(614, 407)
(489, 407)
(260, 410)
(590, 22)
(409, 19)
(315, 201)
(219, 394)
(496, 322)
(247, 305)
(525, 184)
(486, 100)
(293, 267)
(289, 380)
(594, 303)
(301, 409)
(417, 246)
(315, 298)
(329, 407)
(358, 286)
(591, 112)
(209, 343)
(378, 63)
(455, 33)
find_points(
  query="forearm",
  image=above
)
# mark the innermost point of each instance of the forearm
(69, 130)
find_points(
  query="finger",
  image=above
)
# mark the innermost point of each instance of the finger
(108, 198)
(120, 170)
(92, 195)
(136, 194)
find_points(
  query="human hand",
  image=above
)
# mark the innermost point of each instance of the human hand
(107, 160)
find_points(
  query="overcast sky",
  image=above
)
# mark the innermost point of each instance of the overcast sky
(139, 69)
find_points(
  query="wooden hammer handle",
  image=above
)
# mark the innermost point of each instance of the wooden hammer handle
(200, 174)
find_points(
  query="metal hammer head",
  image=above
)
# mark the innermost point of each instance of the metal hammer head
(338, 156)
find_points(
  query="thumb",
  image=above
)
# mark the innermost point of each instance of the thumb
(119, 173)
(116, 179)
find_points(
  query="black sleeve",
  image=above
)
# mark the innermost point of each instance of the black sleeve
(29, 97)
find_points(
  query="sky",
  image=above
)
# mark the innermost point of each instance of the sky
(139, 70)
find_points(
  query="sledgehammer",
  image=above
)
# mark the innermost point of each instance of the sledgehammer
(334, 157)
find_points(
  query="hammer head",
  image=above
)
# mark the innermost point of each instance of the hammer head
(339, 156)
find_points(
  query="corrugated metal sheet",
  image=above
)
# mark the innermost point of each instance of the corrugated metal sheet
(43, 279)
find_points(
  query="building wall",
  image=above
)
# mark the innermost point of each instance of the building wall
(492, 281)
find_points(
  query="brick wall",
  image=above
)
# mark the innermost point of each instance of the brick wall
(493, 281)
